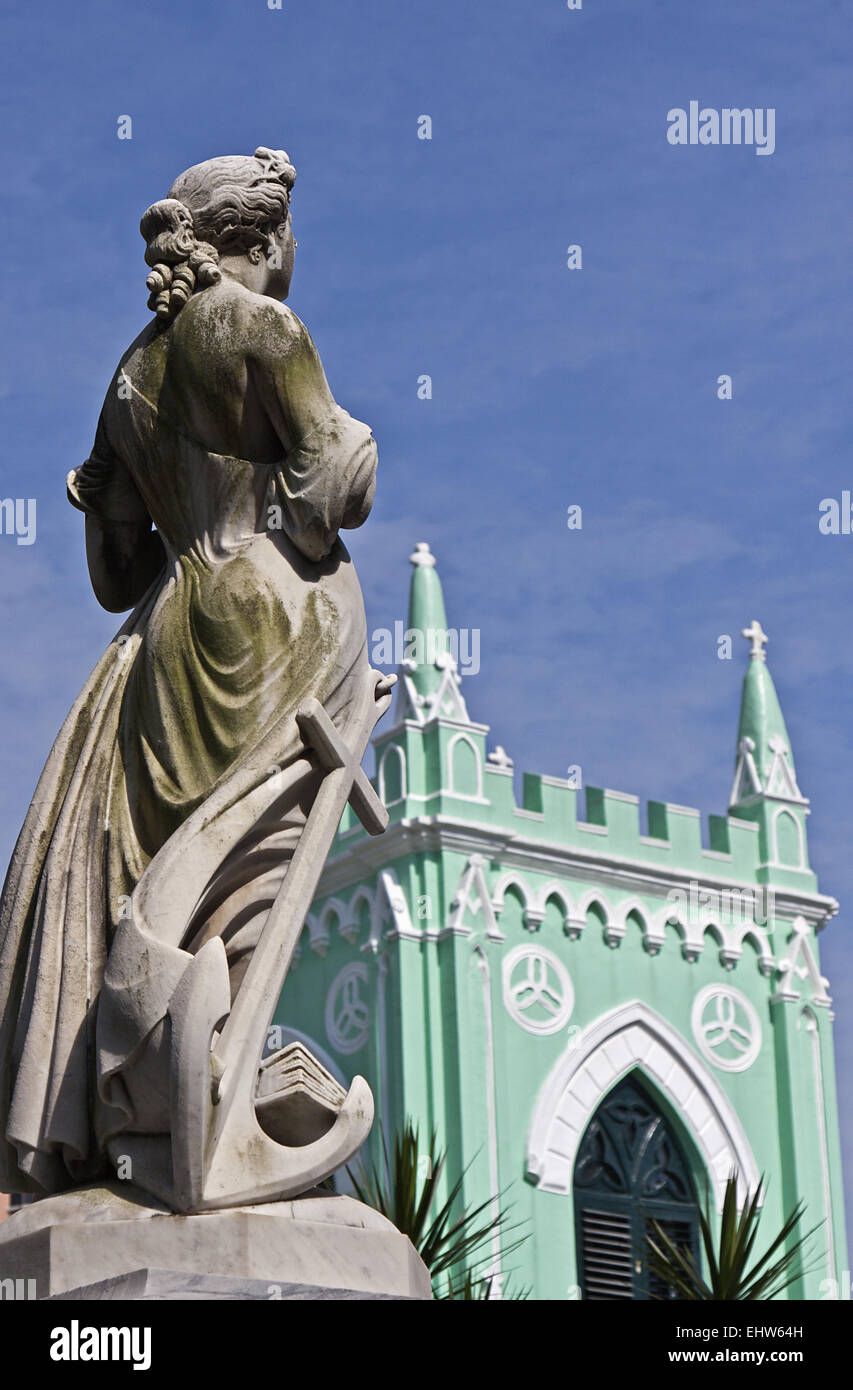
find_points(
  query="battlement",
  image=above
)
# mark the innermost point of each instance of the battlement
(609, 821)
(595, 820)
(432, 761)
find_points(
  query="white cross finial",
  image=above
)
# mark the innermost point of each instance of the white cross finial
(422, 555)
(758, 638)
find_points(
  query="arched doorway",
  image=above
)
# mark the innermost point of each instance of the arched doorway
(630, 1171)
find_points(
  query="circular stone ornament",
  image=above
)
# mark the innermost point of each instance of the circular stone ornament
(537, 989)
(347, 1010)
(726, 1027)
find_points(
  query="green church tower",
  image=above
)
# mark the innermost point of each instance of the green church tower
(602, 1020)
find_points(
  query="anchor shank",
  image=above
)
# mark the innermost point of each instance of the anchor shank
(242, 1036)
(261, 985)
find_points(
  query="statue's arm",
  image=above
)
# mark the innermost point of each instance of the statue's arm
(289, 373)
(327, 478)
(124, 559)
(123, 552)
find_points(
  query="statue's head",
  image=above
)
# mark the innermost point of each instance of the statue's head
(234, 206)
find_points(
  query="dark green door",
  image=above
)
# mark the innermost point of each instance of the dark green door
(630, 1170)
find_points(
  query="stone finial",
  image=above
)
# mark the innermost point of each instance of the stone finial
(758, 638)
(422, 555)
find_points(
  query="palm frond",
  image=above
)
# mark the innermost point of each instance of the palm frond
(479, 1288)
(733, 1274)
(405, 1185)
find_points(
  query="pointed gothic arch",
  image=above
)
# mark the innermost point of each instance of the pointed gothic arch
(460, 767)
(711, 927)
(320, 927)
(392, 775)
(594, 897)
(788, 840)
(318, 934)
(675, 922)
(351, 924)
(753, 936)
(631, 1171)
(634, 1037)
(553, 891)
(631, 908)
(508, 880)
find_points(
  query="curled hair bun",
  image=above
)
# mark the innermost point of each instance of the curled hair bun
(180, 263)
(276, 164)
(221, 207)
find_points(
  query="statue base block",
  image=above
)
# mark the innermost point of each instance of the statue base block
(169, 1285)
(107, 1241)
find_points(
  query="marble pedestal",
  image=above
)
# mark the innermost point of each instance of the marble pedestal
(328, 1245)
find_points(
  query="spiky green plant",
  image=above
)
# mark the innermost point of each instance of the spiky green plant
(479, 1288)
(730, 1275)
(470, 1286)
(404, 1186)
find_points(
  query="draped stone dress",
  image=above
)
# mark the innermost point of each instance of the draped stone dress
(177, 788)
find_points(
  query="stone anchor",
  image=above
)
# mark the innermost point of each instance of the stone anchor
(221, 1156)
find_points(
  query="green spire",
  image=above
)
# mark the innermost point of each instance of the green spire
(765, 762)
(430, 680)
(426, 637)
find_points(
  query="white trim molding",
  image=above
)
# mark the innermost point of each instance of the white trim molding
(808, 1019)
(350, 924)
(451, 776)
(435, 833)
(783, 812)
(628, 1037)
(799, 964)
(382, 777)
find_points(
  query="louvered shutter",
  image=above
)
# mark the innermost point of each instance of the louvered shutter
(606, 1257)
(680, 1233)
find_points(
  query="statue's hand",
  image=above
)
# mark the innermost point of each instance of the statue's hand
(384, 685)
(382, 690)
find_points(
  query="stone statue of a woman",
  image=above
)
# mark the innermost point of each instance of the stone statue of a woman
(221, 474)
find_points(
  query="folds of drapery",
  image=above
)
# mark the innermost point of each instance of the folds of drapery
(139, 845)
(54, 938)
(314, 504)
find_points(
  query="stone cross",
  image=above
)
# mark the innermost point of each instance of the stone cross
(758, 638)
(333, 753)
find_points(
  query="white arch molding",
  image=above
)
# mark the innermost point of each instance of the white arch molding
(507, 880)
(781, 815)
(451, 777)
(350, 924)
(399, 754)
(626, 1038)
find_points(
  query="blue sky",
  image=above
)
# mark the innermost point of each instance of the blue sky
(550, 387)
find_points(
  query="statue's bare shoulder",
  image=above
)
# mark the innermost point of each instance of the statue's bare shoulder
(236, 326)
(271, 330)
